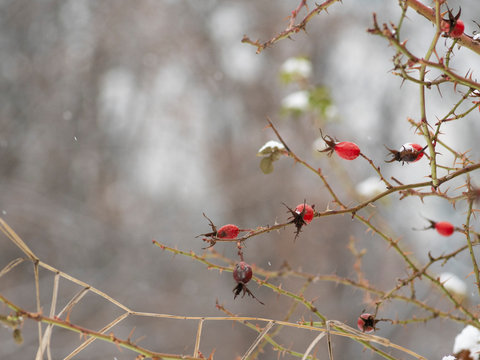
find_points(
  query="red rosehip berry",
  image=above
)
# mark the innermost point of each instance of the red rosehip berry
(226, 232)
(414, 149)
(229, 231)
(453, 27)
(242, 272)
(306, 211)
(458, 29)
(345, 149)
(302, 215)
(409, 152)
(444, 228)
(366, 323)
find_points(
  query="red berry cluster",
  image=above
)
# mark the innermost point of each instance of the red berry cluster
(410, 152)
(242, 272)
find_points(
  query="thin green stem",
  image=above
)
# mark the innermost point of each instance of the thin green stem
(470, 247)
(299, 298)
(400, 21)
(267, 338)
(452, 112)
(275, 332)
(423, 114)
(126, 344)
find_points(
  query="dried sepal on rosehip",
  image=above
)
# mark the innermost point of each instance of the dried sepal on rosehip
(302, 215)
(345, 149)
(367, 323)
(453, 26)
(242, 274)
(306, 211)
(409, 152)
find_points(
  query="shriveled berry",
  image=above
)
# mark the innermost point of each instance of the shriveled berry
(306, 211)
(366, 323)
(229, 231)
(345, 149)
(242, 275)
(409, 152)
(242, 272)
(444, 228)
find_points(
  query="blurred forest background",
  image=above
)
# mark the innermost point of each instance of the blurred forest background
(121, 122)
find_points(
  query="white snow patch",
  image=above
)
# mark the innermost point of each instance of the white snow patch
(274, 145)
(453, 283)
(468, 339)
(298, 100)
(370, 187)
(297, 66)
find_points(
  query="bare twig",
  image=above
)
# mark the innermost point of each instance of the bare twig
(259, 338)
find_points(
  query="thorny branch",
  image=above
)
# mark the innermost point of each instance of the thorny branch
(406, 64)
(292, 28)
